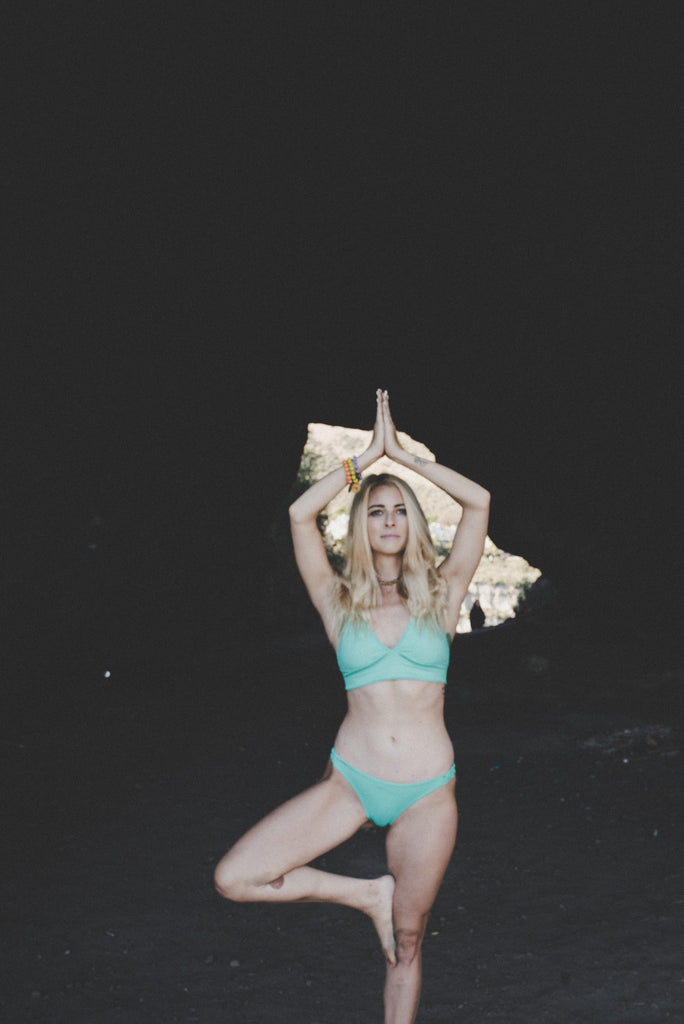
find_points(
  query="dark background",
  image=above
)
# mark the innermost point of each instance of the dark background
(228, 222)
(225, 221)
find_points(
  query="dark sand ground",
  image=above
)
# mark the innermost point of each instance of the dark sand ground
(563, 901)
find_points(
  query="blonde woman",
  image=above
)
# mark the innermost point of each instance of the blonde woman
(390, 617)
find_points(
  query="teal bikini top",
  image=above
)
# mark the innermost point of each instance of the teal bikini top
(422, 653)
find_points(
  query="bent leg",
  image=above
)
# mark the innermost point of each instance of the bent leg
(269, 863)
(419, 847)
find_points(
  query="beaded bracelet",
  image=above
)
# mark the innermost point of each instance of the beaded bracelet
(352, 473)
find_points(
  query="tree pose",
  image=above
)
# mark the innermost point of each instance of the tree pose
(390, 615)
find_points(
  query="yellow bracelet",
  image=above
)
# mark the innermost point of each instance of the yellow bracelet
(352, 474)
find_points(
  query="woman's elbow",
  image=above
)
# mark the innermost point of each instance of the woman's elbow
(295, 513)
(299, 514)
(484, 500)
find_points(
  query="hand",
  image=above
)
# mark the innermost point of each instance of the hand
(393, 447)
(376, 448)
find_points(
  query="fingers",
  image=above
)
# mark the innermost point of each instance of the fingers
(384, 402)
(393, 446)
(379, 418)
(377, 444)
(384, 424)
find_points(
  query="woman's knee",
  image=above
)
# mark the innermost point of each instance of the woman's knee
(229, 882)
(235, 879)
(409, 942)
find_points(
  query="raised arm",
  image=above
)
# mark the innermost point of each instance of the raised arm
(458, 568)
(310, 554)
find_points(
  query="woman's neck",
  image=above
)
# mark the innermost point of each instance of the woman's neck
(388, 570)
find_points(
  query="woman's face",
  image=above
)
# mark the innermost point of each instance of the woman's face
(387, 520)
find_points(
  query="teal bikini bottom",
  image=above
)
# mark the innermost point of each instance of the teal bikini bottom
(384, 801)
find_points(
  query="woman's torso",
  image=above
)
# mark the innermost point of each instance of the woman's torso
(394, 728)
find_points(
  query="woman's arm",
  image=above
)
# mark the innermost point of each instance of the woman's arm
(459, 566)
(310, 554)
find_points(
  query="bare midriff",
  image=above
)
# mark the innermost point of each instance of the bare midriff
(395, 730)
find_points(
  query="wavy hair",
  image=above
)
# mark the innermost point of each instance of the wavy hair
(421, 587)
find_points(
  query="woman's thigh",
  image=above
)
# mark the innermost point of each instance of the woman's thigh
(419, 848)
(297, 832)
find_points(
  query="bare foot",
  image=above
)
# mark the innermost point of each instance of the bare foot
(380, 912)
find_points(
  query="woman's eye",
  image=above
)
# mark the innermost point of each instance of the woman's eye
(401, 511)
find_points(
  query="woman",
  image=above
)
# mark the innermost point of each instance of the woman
(390, 616)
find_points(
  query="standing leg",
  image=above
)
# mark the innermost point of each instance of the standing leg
(419, 847)
(269, 863)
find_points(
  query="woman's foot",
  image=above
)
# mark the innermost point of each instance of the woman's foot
(379, 909)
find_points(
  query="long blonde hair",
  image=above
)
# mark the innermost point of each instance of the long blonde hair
(422, 588)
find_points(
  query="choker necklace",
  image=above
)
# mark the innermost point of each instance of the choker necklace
(388, 583)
